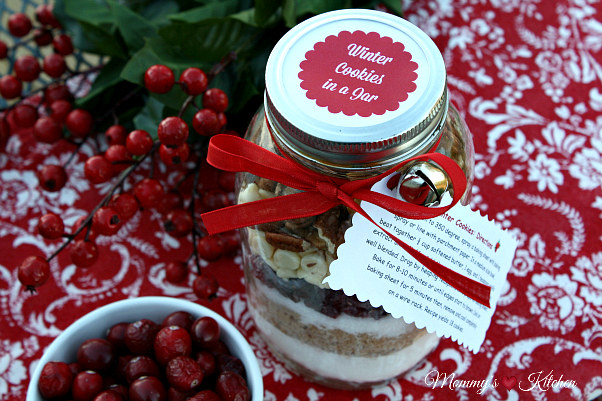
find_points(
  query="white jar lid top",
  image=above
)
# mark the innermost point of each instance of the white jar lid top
(355, 87)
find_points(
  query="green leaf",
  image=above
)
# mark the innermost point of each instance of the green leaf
(207, 40)
(132, 26)
(93, 12)
(288, 13)
(157, 51)
(109, 76)
(394, 6)
(320, 6)
(264, 10)
(213, 10)
(103, 41)
(150, 116)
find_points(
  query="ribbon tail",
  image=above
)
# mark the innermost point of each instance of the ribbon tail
(473, 289)
(293, 206)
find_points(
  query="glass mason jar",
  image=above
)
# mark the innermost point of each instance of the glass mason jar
(316, 77)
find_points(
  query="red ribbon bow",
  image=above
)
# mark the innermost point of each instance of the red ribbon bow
(321, 193)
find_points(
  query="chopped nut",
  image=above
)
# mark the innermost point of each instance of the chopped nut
(332, 225)
(265, 184)
(286, 242)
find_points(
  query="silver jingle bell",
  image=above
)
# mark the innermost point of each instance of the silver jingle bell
(423, 183)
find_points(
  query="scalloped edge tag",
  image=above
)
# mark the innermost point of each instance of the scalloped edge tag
(375, 269)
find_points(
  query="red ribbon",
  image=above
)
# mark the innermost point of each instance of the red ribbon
(321, 193)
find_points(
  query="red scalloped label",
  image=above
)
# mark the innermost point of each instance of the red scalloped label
(358, 73)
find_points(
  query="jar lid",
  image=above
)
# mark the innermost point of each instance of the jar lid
(355, 87)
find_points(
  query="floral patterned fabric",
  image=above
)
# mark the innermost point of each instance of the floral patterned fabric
(527, 76)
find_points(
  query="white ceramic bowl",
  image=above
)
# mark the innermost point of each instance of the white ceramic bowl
(95, 325)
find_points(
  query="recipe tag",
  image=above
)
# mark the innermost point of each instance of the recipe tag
(372, 266)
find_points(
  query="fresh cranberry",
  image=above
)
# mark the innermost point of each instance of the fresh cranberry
(3, 50)
(45, 16)
(52, 177)
(179, 318)
(193, 81)
(27, 68)
(172, 131)
(10, 87)
(86, 386)
(178, 223)
(183, 373)
(55, 380)
(138, 142)
(174, 156)
(176, 272)
(83, 253)
(116, 336)
(120, 370)
(42, 37)
(51, 226)
(171, 200)
(116, 134)
(25, 115)
(205, 286)
(229, 362)
(210, 248)
(141, 365)
(175, 395)
(79, 122)
(149, 192)
(205, 122)
(159, 79)
(170, 342)
(217, 348)
(59, 109)
(121, 390)
(96, 354)
(19, 24)
(147, 388)
(213, 199)
(56, 92)
(205, 395)
(216, 100)
(205, 331)
(230, 242)
(108, 395)
(119, 157)
(46, 130)
(33, 272)
(140, 335)
(91, 233)
(54, 65)
(62, 44)
(98, 169)
(230, 386)
(125, 205)
(75, 368)
(206, 361)
(106, 221)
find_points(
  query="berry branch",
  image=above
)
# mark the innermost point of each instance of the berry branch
(49, 111)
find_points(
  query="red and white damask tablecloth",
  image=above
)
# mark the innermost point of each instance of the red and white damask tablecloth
(527, 76)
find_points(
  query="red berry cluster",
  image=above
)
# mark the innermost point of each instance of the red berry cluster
(51, 110)
(180, 359)
(125, 151)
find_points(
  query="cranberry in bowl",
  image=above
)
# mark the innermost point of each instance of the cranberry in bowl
(139, 345)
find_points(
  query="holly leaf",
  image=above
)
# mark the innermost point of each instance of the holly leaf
(108, 77)
(133, 27)
(289, 13)
(103, 42)
(157, 51)
(214, 10)
(150, 117)
(207, 40)
(394, 6)
(264, 10)
(91, 11)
